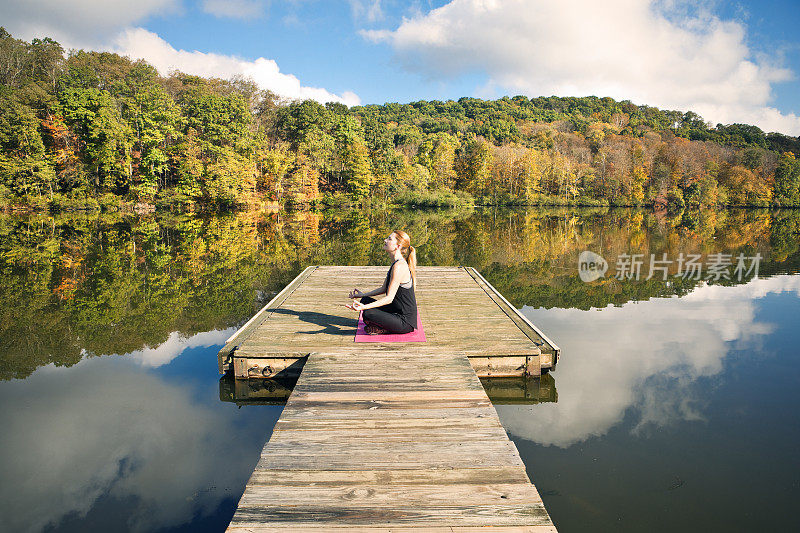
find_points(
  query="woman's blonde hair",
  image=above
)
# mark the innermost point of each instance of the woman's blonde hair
(407, 250)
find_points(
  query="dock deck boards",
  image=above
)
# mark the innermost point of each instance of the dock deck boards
(461, 313)
(363, 444)
(386, 437)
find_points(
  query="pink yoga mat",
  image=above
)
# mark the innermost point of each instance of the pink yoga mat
(418, 335)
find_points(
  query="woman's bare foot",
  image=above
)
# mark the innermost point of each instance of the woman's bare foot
(372, 329)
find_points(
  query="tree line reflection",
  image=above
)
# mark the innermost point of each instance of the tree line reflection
(78, 286)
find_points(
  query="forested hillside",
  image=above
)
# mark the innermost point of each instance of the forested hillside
(97, 130)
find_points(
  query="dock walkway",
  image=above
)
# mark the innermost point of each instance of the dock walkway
(385, 437)
(461, 313)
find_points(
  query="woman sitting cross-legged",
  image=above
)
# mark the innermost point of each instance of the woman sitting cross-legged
(396, 311)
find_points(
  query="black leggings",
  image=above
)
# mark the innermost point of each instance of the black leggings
(391, 322)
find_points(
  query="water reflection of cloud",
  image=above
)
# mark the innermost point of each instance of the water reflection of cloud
(106, 427)
(643, 355)
(176, 343)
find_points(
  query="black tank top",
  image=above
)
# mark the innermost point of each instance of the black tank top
(405, 302)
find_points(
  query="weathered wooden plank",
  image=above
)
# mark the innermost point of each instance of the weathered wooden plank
(387, 496)
(401, 462)
(380, 394)
(394, 386)
(425, 476)
(403, 439)
(333, 528)
(443, 346)
(389, 408)
(334, 412)
(527, 514)
(431, 435)
(268, 366)
(380, 447)
(508, 366)
(396, 424)
(389, 437)
(401, 373)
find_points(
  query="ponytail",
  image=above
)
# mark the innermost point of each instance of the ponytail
(405, 244)
(412, 263)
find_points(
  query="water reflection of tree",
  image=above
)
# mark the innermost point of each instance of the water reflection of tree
(73, 286)
(548, 277)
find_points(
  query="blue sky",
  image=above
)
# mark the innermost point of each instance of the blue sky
(728, 61)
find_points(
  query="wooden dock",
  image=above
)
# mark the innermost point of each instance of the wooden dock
(388, 437)
(461, 313)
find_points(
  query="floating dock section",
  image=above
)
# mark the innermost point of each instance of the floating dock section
(522, 390)
(389, 437)
(461, 313)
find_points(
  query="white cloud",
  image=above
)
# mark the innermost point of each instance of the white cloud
(140, 43)
(643, 355)
(78, 23)
(370, 10)
(103, 426)
(176, 344)
(649, 52)
(240, 9)
(108, 26)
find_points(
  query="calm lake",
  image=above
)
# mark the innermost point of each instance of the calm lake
(675, 405)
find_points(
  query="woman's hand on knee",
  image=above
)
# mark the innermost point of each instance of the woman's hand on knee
(355, 306)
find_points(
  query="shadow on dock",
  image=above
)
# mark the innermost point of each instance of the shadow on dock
(275, 391)
(330, 324)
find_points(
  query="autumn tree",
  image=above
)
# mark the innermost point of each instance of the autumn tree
(787, 181)
(24, 166)
(475, 168)
(743, 187)
(437, 154)
(302, 183)
(273, 166)
(189, 164)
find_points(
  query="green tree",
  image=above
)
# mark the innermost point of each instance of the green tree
(24, 166)
(189, 165)
(107, 139)
(475, 168)
(154, 118)
(47, 63)
(14, 60)
(437, 154)
(105, 71)
(274, 164)
(221, 118)
(302, 183)
(229, 179)
(787, 181)
(743, 187)
(354, 163)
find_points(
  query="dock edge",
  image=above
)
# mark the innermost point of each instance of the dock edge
(224, 355)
